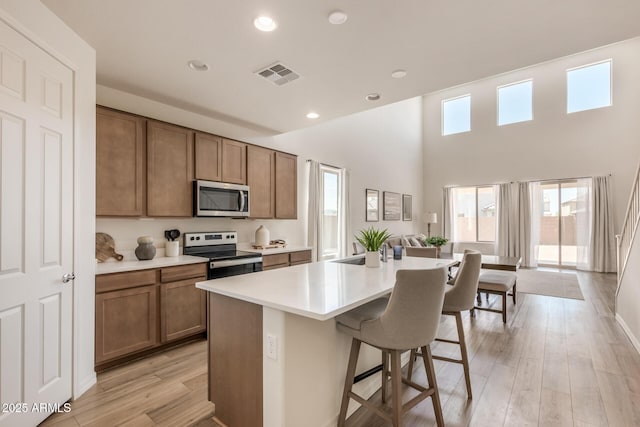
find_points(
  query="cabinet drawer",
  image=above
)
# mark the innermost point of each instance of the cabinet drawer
(171, 274)
(300, 257)
(113, 282)
(275, 260)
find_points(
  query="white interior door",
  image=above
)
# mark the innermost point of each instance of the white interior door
(36, 218)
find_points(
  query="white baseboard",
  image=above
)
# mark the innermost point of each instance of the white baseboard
(627, 330)
(85, 385)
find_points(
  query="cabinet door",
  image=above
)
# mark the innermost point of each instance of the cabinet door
(183, 309)
(169, 170)
(126, 322)
(234, 162)
(261, 180)
(286, 186)
(120, 161)
(208, 157)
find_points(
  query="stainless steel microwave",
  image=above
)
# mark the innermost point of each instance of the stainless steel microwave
(220, 199)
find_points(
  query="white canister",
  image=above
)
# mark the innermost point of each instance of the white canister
(172, 248)
(262, 236)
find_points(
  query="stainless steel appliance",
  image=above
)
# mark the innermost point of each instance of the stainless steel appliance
(220, 248)
(220, 199)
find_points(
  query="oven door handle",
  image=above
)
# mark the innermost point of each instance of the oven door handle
(233, 262)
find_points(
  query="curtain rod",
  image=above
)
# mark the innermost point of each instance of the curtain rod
(513, 182)
(326, 164)
(559, 179)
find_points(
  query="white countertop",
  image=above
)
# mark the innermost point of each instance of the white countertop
(320, 290)
(289, 248)
(123, 266)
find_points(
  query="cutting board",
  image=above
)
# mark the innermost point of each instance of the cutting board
(106, 248)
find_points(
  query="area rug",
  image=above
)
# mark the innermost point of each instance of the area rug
(549, 283)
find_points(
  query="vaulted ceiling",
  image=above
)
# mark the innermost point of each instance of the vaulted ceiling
(143, 47)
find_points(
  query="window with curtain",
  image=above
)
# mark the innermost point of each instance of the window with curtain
(330, 212)
(473, 214)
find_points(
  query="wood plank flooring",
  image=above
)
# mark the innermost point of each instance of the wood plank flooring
(559, 362)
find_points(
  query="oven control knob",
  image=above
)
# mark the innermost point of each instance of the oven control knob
(191, 238)
(198, 238)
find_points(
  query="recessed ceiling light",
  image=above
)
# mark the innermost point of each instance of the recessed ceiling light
(264, 23)
(194, 64)
(312, 115)
(398, 74)
(372, 97)
(337, 17)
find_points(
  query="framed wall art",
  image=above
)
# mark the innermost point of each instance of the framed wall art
(372, 205)
(392, 206)
(407, 209)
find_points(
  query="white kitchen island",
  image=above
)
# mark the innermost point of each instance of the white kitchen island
(275, 356)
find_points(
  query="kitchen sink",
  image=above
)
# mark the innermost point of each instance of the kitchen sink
(354, 261)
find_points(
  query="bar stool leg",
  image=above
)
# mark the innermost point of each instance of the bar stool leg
(514, 293)
(348, 381)
(412, 358)
(431, 377)
(385, 374)
(463, 352)
(396, 381)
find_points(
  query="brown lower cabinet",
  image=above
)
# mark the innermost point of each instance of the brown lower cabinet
(287, 259)
(139, 311)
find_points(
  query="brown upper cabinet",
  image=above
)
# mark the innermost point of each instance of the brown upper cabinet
(286, 204)
(120, 164)
(234, 162)
(146, 168)
(208, 157)
(261, 180)
(169, 170)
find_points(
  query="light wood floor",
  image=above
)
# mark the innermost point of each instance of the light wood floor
(559, 362)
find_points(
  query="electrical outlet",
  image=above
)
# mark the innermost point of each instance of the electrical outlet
(272, 347)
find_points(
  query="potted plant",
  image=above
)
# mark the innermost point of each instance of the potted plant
(372, 240)
(436, 241)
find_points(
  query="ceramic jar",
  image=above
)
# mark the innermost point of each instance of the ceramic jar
(145, 249)
(262, 236)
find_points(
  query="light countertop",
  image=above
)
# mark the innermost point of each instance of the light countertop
(320, 290)
(158, 262)
(290, 248)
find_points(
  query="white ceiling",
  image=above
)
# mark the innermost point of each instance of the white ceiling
(143, 47)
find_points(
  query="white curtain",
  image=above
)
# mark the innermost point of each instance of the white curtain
(602, 243)
(506, 242)
(345, 215)
(447, 213)
(313, 210)
(537, 209)
(584, 217)
(529, 210)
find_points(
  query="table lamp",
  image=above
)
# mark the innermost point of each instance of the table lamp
(430, 218)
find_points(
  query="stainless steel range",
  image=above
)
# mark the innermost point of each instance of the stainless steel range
(220, 248)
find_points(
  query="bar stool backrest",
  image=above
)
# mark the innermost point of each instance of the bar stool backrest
(412, 316)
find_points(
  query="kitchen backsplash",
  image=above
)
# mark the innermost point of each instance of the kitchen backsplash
(125, 231)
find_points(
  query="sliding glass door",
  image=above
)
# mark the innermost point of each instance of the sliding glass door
(558, 225)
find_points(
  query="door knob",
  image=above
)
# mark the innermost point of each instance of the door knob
(68, 277)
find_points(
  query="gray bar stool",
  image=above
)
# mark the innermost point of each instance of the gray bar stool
(458, 298)
(409, 320)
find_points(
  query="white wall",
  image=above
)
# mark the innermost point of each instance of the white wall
(34, 20)
(628, 299)
(382, 148)
(554, 145)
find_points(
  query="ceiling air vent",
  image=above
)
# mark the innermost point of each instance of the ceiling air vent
(278, 74)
